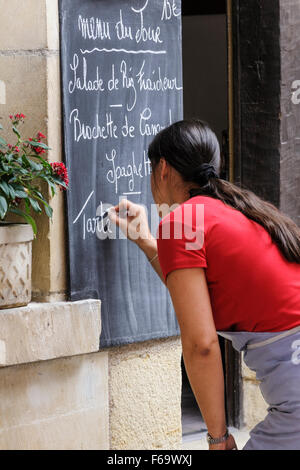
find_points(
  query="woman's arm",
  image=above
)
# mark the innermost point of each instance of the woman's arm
(149, 247)
(189, 292)
(200, 345)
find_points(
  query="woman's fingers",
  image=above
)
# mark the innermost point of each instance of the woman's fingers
(124, 208)
(124, 205)
(231, 444)
(132, 219)
(113, 216)
(122, 222)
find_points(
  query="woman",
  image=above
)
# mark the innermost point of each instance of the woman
(241, 280)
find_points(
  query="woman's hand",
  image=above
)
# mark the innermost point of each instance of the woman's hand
(136, 228)
(132, 220)
(229, 444)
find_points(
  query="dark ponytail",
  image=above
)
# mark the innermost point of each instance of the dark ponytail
(192, 148)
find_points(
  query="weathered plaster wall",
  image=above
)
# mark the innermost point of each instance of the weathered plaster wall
(254, 406)
(145, 395)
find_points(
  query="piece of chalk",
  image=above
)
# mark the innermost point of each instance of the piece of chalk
(106, 225)
(105, 214)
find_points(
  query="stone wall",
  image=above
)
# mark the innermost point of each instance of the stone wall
(53, 379)
(254, 406)
(145, 395)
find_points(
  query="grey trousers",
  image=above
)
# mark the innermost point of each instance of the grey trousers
(275, 357)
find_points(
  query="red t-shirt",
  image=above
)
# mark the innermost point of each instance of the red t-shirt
(252, 286)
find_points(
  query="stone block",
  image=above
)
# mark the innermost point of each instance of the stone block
(42, 331)
(23, 24)
(52, 24)
(57, 229)
(60, 404)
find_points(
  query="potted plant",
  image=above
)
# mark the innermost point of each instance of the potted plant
(22, 170)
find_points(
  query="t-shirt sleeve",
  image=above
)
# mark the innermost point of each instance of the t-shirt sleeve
(180, 246)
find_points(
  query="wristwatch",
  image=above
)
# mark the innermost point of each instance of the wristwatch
(217, 440)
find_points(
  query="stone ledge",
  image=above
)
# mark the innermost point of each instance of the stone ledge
(43, 331)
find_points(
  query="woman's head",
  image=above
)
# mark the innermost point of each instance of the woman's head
(184, 156)
(186, 162)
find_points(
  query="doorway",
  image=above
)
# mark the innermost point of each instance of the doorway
(205, 96)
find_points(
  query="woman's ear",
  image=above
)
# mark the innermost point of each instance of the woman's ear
(163, 168)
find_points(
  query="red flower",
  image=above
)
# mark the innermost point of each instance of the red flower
(18, 116)
(41, 136)
(10, 116)
(61, 171)
(39, 150)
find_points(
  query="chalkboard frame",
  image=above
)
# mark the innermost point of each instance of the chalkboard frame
(71, 296)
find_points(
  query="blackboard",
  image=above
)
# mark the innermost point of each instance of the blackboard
(121, 83)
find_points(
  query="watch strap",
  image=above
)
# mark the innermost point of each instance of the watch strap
(217, 440)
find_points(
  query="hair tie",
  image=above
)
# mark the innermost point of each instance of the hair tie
(204, 172)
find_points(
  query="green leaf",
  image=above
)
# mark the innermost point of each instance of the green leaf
(5, 188)
(3, 207)
(27, 205)
(20, 171)
(51, 184)
(59, 181)
(18, 186)
(1, 127)
(39, 144)
(44, 162)
(3, 142)
(27, 217)
(37, 193)
(48, 210)
(15, 130)
(35, 166)
(11, 191)
(5, 167)
(25, 161)
(21, 194)
(35, 205)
